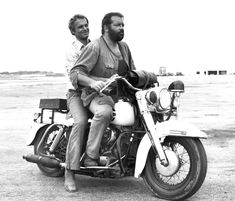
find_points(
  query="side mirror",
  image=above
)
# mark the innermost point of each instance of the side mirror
(176, 86)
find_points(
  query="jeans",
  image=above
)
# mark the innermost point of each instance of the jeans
(102, 115)
(75, 142)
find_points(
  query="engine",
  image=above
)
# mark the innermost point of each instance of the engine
(114, 144)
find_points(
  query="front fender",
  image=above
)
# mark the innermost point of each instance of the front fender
(142, 154)
(34, 128)
(178, 128)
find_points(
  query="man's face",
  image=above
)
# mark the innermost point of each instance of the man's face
(116, 29)
(81, 29)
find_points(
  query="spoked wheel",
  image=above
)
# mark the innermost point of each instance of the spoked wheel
(185, 173)
(42, 146)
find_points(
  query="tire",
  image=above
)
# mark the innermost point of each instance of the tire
(60, 150)
(187, 176)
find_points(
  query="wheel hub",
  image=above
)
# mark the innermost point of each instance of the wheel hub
(173, 164)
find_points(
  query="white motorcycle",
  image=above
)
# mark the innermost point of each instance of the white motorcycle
(144, 139)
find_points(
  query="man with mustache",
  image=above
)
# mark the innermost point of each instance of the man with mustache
(101, 59)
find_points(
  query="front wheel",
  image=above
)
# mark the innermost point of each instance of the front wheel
(185, 173)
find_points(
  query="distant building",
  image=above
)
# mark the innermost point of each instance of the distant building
(212, 72)
(162, 70)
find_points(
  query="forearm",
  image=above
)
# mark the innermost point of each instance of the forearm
(90, 82)
(99, 78)
(85, 80)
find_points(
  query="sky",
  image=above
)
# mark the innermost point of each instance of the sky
(181, 35)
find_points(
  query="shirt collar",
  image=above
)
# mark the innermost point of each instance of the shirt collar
(78, 44)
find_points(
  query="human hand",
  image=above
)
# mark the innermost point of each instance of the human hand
(97, 85)
(114, 76)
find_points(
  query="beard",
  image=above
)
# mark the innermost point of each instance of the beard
(116, 36)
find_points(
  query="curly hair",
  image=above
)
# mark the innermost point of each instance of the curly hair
(107, 19)
(73, 19)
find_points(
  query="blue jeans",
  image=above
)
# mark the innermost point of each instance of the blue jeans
(103, 114)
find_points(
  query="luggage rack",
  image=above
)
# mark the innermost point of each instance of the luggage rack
(54, 105)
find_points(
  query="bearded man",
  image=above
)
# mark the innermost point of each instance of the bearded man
(101, 59)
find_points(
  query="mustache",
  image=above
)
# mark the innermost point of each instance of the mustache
(121, 31)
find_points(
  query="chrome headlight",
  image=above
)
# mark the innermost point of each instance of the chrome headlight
(164, 99)
(160, 98)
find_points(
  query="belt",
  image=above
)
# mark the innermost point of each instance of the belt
(75, 90)
(72, 90)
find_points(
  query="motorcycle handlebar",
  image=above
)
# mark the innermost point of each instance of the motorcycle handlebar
(115, 78)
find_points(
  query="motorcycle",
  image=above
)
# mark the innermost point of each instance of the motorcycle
(145, 139)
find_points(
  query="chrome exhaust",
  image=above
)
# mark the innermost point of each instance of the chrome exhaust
(43, 160)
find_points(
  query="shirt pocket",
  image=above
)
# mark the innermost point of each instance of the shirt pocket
(108, 62)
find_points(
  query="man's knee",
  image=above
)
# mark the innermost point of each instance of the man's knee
(105, 112)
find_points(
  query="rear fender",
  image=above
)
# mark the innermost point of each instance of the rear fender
(34, 131)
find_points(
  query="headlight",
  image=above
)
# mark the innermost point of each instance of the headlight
(151, 97)
(160, 98)
(164, 99)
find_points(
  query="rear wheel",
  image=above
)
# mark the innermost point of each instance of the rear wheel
(42, 149)
(185, 173)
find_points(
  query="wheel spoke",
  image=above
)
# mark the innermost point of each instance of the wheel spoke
(184, 168)
(185, 172)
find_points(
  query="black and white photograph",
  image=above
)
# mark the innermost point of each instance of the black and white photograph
(117, 100)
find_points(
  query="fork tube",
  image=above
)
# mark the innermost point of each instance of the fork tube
(156, 144)
(155, 140)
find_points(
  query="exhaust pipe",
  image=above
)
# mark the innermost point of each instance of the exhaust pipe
(42, 160)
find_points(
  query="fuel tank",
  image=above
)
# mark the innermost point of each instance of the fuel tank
(124, 114)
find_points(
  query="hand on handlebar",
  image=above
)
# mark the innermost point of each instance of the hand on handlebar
(112, 79)
(97, 85)
(101, 86)
(114, 76)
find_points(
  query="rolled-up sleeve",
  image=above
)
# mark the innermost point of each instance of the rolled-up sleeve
(87, 60)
